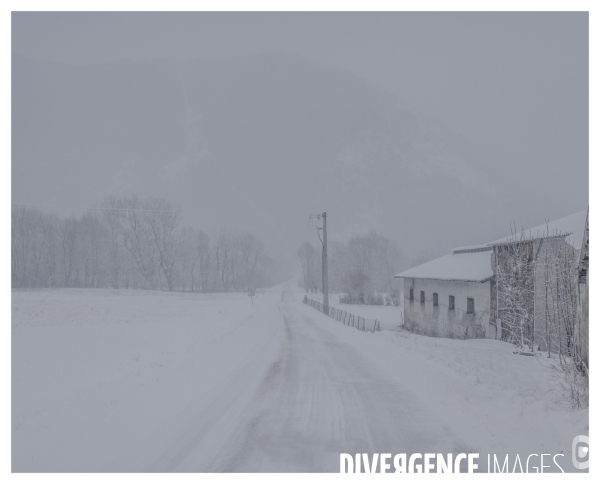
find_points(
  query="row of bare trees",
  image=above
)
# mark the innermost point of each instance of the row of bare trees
(366, 264)
(132, 243)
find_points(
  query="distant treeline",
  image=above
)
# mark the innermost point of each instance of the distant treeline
(363, 266)
(132, 243)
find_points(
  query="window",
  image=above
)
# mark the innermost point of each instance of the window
(422, 297)
(470, 305)
(435, 299)
(412, 295)
(451, 302)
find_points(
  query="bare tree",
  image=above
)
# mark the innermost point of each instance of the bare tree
(372, 262)
(303, 258)
(93, 241)
(131, 242)
(138, 240)
(203, 250)
(187, 259)
(25, 246)
(223, 249)
(558, 298)
(537, 305)
(362, 250)
(515, 278)
(68, 232)
(310, 260)
(162, 218)
(111, 211)
(50, 225)
(252, 251)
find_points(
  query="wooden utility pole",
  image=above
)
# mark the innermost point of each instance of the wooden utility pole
(325, 277)
(325, 274)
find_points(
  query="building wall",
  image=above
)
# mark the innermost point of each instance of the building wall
(583, 305)
(550, 303)
(547, 312)
(582, 335)
(442, 321)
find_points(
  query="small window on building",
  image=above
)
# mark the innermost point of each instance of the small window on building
(435, 299)
(451, 302)
(412, 295)
(422, 297)
(470, 305)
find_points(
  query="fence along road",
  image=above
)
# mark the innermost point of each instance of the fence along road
(349, 319)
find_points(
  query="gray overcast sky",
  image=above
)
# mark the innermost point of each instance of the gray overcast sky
(516, 84)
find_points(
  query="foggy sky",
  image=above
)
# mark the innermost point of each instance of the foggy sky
(513, 84)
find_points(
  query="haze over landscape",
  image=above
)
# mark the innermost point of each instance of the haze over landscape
(391, 125)
(179, 301)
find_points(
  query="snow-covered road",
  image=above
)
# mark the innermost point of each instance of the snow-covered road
(321, 398)
(317, 397)
(154, 381)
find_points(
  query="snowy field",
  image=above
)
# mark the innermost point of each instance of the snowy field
(108, 380)
(99, 374)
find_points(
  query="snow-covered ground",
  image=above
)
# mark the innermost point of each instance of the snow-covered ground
(108, 380)
(502, 402)
(151, 381)
(389, 317)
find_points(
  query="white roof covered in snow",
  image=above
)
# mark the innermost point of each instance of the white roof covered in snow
(573, 225)
(464, 266)
(473, 263)
(468, 248)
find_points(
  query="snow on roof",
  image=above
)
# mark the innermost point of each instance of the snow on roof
(462, 266)
(470, 248)
(473, 263)
(573, 225)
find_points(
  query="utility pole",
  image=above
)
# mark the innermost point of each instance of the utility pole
(324, 257)
(325, 274)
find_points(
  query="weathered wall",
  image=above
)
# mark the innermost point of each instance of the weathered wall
(442, 321)
(582, 338)
(582, 341)
(549, 311)
(582, 335)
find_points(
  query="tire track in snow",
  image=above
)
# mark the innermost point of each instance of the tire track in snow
(320, 398)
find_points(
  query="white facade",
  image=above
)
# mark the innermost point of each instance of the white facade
(441, 319)
(450, 296)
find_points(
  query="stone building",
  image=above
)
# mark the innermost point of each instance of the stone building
(471, 292)
(549, 256)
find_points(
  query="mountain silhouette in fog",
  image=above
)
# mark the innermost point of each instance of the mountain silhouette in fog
(255, 142)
